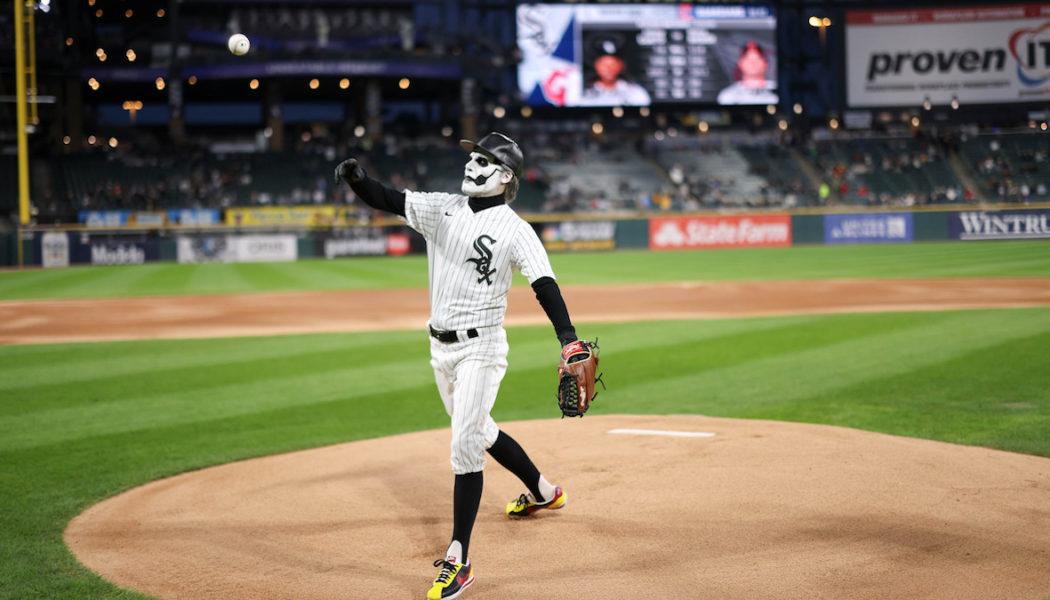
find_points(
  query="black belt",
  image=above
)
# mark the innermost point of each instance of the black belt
(447, 337)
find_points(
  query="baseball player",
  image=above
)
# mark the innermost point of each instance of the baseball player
(474, 242)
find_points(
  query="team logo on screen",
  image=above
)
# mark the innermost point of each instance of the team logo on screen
(484, 259)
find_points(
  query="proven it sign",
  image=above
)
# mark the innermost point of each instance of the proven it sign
(1000, 225)
(719, 232)
(976, 54)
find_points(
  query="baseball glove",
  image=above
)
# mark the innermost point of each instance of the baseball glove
(577, 376)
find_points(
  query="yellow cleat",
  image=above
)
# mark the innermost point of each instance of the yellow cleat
(451, 581)
(525, 505)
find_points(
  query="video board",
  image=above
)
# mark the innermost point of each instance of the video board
(641, 54)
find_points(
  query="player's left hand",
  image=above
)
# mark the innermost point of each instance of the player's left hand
(577, 374)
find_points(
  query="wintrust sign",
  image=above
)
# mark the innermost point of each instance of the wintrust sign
(973, 54)
(719, 232)
(1001, 225)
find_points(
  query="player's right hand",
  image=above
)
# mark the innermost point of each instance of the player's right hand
(349, 171)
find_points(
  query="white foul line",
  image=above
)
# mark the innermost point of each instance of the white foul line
(662, 432)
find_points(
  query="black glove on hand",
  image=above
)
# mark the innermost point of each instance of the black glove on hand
(349, 171)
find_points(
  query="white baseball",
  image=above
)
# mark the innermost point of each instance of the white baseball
(239, 44)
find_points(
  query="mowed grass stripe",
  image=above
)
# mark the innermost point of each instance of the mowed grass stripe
(989, 396)
(27, 367)
(948, 259)
(745, 389)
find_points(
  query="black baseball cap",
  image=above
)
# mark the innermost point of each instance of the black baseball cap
(498, 148)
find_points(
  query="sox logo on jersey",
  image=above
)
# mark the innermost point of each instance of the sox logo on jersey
(484, 259)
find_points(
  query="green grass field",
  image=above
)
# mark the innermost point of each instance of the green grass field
(81, 422)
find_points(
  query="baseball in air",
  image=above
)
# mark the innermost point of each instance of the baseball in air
(239, 44)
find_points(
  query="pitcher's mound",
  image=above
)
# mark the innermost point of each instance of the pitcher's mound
(659, 509)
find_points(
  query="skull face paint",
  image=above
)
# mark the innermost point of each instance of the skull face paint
(482, 177)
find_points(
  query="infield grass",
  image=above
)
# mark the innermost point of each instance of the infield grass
(81, 422)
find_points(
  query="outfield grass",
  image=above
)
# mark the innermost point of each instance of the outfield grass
(81, 422)
(948, 259)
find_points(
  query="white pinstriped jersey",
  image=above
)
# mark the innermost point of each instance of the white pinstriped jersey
(472, 256)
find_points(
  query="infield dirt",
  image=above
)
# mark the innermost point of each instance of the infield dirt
(758, 510)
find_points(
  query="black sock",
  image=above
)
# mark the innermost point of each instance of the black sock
(511, 455)
(466, 496)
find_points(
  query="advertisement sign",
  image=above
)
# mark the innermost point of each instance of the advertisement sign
(579, 235)
(1000, 225)
(54, 249)
(638, 54)
(203, 249)
(973, 54)
(113, 252)
(868, 228)
(356, 241)
(719, 232)
(103, 218)
(122, 218)
(264, 248)
(287, 216)
(192, 217)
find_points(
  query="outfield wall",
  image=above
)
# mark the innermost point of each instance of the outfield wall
(117, 241)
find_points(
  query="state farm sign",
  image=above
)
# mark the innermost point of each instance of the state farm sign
(720, 232)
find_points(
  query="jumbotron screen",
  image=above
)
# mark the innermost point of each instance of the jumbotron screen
(641, 54)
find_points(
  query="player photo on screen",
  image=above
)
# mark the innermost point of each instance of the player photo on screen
(609, 61)
(753, 82)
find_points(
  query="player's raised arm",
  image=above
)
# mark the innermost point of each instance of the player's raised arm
(372, 192)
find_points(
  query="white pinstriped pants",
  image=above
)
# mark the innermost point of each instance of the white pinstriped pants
(468, 374)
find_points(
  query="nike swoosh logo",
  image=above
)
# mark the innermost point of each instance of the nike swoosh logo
(448, 214)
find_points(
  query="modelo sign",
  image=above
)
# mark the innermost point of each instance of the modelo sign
(1000, 225)
(719, 232)
(973, 54)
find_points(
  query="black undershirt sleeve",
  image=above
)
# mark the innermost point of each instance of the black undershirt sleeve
(549, 295)
(379, 196)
